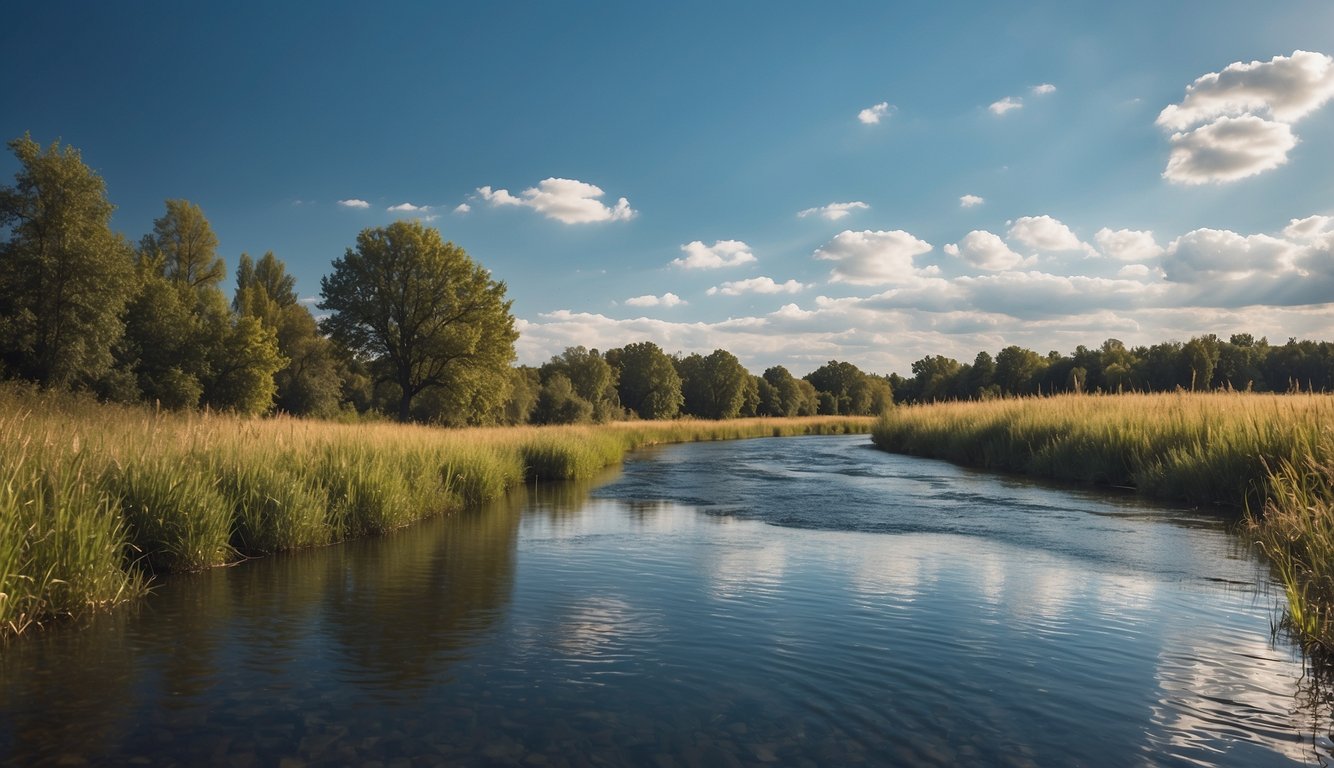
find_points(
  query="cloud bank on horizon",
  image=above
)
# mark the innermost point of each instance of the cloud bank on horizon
(1040, 278)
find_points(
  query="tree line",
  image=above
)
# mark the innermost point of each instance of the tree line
(415, 330)
(1242, 363)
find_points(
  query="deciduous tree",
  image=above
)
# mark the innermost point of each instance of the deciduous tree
(434, 318)
(64, 275)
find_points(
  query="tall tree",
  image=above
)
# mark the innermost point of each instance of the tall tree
(186, 243)
(714, 386)
(592, 378)
(420, 305)
(648, 382)
(64, 275)
(308, 385)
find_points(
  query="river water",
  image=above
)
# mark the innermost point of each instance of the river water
(797, 601)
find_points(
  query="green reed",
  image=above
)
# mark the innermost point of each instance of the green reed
(94, 498)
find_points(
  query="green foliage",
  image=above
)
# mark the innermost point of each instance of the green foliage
(847, 390)
(435, 318)
(177, 519)
(647, 381)
(592, 378)
(244, 359)
(714, 387)
(64, 276)
(559, 403)
(183, 241)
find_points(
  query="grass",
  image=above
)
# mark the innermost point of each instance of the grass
(95, 499)
(1267, 452)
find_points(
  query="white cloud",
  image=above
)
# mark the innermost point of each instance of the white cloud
(1045, 234)
(756, 285)
(354, 203)
(723, 253)
(665, 300)
(1127, 244)
(1005, 105)
(1308, 228)
(872, 258)
(970, 201)
(985, 250)
(1244, 116)
(565, 200)
(871, 115)
(833, 211)
(462, 208)
(1204, 255)
(1287, 88)
(408, 208)
(1228, 149)
(1043, 89)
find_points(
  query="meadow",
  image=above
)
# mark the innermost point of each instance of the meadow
(1272, 455)
(96, 499)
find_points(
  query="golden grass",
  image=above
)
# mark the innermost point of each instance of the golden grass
(94, 497)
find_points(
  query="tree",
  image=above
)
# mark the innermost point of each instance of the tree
(308, 385)
(592, 378)
(648, 383)
(788, 393)
(420, 305)
(714, 387)
(1017, 370)
(558, 403)
(64, 275)
(187, 245)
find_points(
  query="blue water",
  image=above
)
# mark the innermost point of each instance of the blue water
(799, 601)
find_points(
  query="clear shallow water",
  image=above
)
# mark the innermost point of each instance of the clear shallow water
(802, 601)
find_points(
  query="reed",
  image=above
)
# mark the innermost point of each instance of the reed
(96, 498)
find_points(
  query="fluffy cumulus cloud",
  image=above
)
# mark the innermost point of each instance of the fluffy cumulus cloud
(872, 258)
(1005, 105)
(1211, 255)
(723, 253)
(833, 211)
(1238, 122)
(666, 300)
(565, 200)
(1309, 228)
(872, 114)
(462, 208)
(1228, 149)
(970, 201)
(353, 202)
(985, 250)
(1044, 233)
(1043, 89)
(408, 208)
(756, 285)
(1127, 244)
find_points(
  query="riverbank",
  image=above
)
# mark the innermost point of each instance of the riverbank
(1270, 454)
(95, 499)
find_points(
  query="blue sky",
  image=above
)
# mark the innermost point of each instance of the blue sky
(1106, 199)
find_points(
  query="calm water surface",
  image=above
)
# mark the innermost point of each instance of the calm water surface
(802, 601)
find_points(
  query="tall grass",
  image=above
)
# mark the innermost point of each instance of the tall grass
(94, 498)
(1267, 452)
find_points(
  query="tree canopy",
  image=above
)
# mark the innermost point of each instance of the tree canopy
(423, 310)
(64, 275)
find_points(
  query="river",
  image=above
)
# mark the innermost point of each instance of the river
(797, 602)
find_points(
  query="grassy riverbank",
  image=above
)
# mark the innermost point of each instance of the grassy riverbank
(1273, 454)
(95, 498)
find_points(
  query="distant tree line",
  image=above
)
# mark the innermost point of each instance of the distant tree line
(417, 331)
(1206, 362)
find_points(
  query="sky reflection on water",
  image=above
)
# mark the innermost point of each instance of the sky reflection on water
(868, 609)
